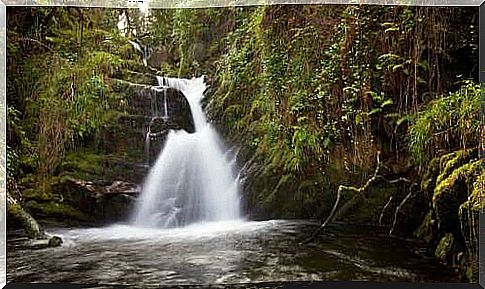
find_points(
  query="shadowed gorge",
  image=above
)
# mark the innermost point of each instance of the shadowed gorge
(270, 143)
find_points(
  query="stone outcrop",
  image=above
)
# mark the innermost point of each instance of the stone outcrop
(99, 183)
(454, 187)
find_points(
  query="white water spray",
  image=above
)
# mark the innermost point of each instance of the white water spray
(192, 180)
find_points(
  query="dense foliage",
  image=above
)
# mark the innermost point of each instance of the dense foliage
(310, 94)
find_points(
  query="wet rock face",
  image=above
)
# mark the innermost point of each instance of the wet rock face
(104, 202)
(143, 112)
(100, 184)
(165, 110)
(452, 221)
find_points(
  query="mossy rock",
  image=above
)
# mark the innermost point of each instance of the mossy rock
(441, 167)
(58, 211)
(82, 164)
(55, 241)
(428, 230)
(469, 214)
(445, 248)
(452, 161)
(33, 194)
(36, 188)
(17, 218)
(451, 193)
(136, 65)
(139, 77)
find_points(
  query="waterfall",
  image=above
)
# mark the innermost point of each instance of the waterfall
(156, 114)
(165, 107)
(162, 84)
(144, 50)
(192, 180)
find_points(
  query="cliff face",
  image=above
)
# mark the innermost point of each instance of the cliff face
(98, 183)
(454, 186)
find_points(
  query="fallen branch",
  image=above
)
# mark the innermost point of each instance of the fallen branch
(330, 217)
(398, 208)
(384, 210)
(334, 213)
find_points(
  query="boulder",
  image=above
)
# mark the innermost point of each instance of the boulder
(104, 202)
(54, 241)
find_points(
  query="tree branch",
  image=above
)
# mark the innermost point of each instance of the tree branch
(334, 213)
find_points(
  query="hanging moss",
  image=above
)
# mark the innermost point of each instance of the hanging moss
(452, 192)
(447, 123)
(454, 160)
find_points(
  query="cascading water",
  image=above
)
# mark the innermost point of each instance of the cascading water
(161, 84)
(156, 115)
(144, 50)
(192, 180)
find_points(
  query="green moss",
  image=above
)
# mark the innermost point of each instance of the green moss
(454, 160)
(477, 197)
(167, 69)
(440, 168)
(15, 215)
(18, 217)
(138, 77)
(469, 214)
(428, 229)
(465, 174)
(458, 183)
(428, 182)
(57, 211)
(451, 192)
(37, 188)
(33, 194)
(471, 267)
(445, 248)
(136, 65)
(82, 164)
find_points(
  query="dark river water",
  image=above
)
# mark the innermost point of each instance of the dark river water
(232, 252)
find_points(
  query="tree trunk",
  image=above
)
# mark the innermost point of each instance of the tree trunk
(28, 223)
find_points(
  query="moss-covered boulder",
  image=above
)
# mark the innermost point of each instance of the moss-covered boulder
(469, 215)
(55, 241)
(66, 213)
(456, 182)
(453, 161)
(103, 202)
(444, 250)
(453, 191)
